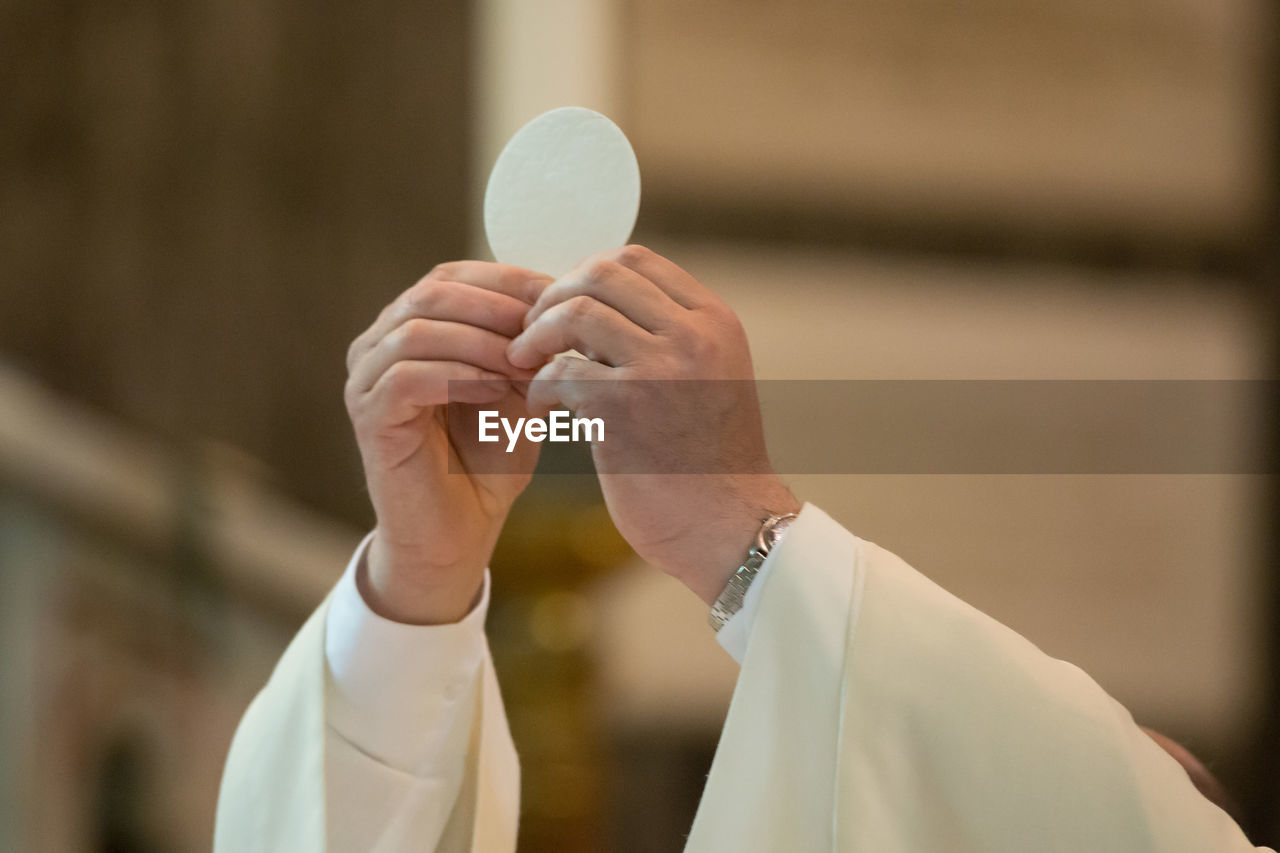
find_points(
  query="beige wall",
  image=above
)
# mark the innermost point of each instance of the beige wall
(1090, 115)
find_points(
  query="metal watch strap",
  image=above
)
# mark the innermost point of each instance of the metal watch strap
(735, 591)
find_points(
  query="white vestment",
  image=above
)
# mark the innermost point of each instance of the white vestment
(874, 713)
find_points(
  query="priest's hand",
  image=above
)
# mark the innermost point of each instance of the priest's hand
(437, 524)
(637, 316)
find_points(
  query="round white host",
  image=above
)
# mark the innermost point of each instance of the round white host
(567, 185)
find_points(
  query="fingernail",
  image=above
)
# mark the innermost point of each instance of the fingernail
(533, 287)
(513, 350)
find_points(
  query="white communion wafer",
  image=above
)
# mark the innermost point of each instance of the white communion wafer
(566, 186)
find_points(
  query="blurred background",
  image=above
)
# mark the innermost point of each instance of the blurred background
(202, 203)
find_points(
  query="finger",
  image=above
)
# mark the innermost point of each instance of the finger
(517, 282)
(565, 382)
(439, 299)
(597, 331)
(666, 275)
(491, 296)
(435, 340)
(408, 387)
(622, 289)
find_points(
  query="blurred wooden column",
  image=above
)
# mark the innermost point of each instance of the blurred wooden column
(205, 201)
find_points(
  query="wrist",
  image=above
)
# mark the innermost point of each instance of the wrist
(406, 585)
(723, 546)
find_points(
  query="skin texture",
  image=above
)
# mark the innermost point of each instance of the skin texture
(436, 530)
(635, 315)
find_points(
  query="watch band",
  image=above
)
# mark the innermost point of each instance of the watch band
(735, 591)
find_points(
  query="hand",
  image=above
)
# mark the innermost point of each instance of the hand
(437, 523)
(636, 315)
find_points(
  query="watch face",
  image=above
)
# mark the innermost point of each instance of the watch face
(774, 533)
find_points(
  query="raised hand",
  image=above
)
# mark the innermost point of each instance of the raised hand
(438, 520)
(637, 316)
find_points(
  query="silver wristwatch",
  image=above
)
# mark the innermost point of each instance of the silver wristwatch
(735, 591)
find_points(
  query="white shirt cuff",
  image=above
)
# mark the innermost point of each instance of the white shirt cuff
(402, 693)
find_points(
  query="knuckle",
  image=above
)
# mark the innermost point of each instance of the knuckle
(720, 311)
(417, 328)
(694, 345)
(707, 348)
(579, 308)
(425, 298)
(397, 339)
(633, 254)
(442, 270)
(601, 269)
(397, 379)
(687, 335)
(409, 335)
(671, 365)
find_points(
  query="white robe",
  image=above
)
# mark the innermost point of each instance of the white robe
(874, 713)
